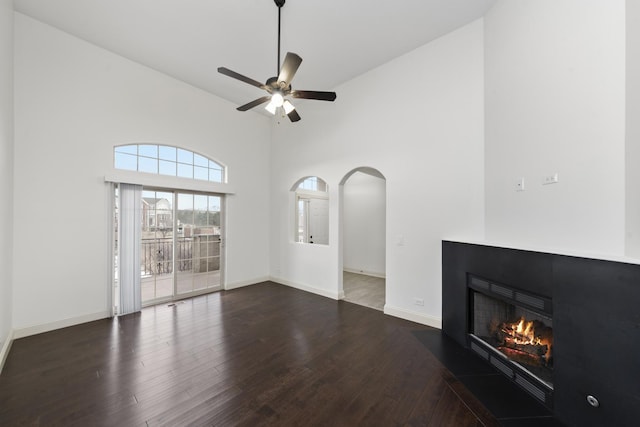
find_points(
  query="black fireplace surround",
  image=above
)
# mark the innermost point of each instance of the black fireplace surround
(596, 323)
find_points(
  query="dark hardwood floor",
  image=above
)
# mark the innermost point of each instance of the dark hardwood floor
(261, 355)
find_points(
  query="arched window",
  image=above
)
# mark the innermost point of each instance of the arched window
(311, 210)
(312, 183)
(167, 160)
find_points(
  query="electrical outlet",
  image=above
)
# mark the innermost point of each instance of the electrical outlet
(418, 301)
(520, 184)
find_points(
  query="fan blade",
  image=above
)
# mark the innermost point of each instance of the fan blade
(254, 103)
(294, 116)
(288, 69)
(313, 94)
(233, 74)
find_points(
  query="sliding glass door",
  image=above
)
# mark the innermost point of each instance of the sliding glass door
(180, 244)
(198, 243)
(156, 246)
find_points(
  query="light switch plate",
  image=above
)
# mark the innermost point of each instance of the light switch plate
(550, 179)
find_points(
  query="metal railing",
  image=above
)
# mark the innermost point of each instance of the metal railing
(156, 255)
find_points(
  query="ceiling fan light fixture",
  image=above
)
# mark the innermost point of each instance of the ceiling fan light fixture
(271, 108)
(277, 99)
(288, 106)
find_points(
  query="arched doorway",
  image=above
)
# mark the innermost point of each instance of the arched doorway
(363, 230)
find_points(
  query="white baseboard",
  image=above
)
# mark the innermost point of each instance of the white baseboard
(59, 324)
(5, 349)
(244, 283)
(307, 288)
(413, 316)
(365, 272)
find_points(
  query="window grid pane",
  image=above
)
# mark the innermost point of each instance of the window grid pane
(200, 173)
(148, 151)
(128, 149)
(145, 164)
(126, 161)
(168, 153)
(167, 168)
(185, 156)
(185, 171)
(215, 175)
(199, 160)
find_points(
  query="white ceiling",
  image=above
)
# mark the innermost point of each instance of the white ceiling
(190, 39)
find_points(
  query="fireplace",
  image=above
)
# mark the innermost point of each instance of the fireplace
(585, 309)
(513, 330)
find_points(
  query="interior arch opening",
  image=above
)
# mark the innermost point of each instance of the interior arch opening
(311, 211)
(364, 237)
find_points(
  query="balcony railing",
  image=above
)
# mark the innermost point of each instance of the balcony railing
(196, 254)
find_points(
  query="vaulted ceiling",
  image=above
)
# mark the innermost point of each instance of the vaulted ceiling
(190, 39)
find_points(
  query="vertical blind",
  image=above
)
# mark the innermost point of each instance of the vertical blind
(129, 235)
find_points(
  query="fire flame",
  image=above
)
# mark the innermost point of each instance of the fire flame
(523, 333)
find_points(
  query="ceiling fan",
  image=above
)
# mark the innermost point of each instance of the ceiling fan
(279, 88)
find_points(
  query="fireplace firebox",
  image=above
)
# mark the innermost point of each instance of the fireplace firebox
(513, 330)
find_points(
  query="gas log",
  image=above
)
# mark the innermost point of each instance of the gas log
(522, 357)
(511, 340)
(524, 341)
(533, 349)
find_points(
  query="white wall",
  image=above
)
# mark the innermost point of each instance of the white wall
(633, 129)
(74, 102)
(364, 219)
(555, 102)
(6, 168)
(419, 121)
